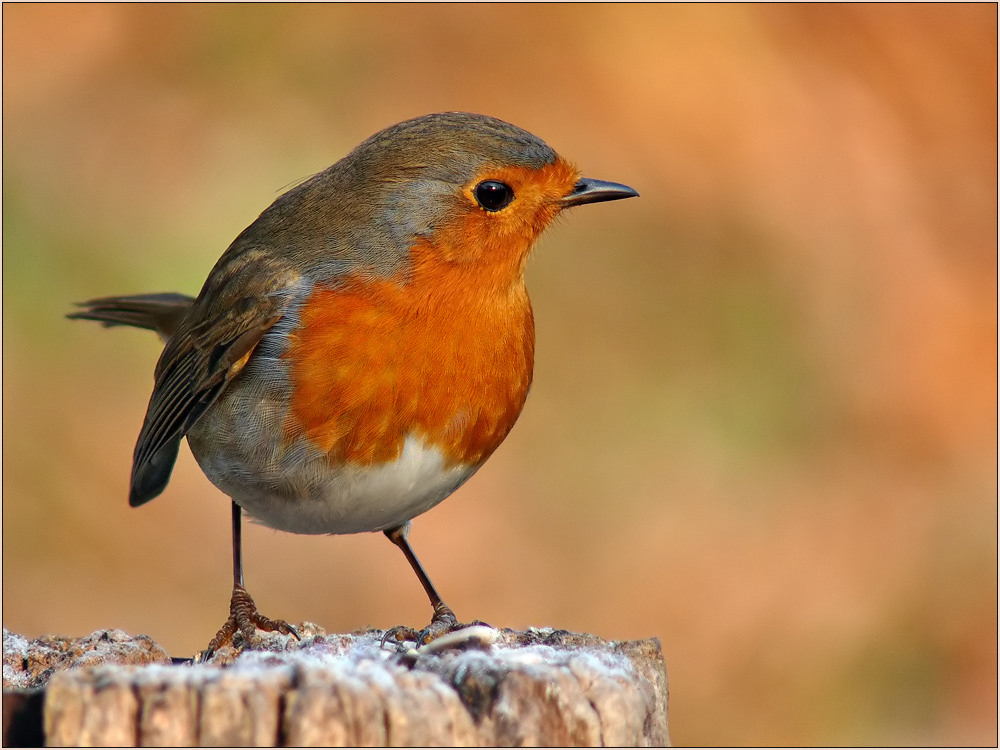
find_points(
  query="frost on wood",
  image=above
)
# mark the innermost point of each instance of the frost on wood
(30, 664)
(538, 687)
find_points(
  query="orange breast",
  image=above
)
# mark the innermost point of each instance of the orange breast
(435, 355)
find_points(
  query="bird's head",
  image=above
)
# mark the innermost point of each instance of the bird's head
(453, 188)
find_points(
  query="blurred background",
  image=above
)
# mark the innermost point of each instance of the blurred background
(763, 425)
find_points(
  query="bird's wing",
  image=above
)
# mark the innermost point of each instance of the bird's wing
(244, 296)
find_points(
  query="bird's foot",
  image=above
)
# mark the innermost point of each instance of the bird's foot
(245, 619)
(443, 622)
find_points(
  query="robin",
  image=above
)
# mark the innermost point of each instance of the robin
(363, 347)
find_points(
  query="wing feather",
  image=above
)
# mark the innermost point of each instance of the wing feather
(209, 349)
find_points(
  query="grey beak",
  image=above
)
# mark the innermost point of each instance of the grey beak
(595, 191)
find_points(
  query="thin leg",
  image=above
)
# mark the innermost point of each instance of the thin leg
(237, 545)
(243, 613)
(444, 619)
(398, 537)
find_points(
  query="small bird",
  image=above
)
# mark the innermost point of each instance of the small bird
(363, 347)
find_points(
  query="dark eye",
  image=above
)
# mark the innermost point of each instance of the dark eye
(493, 194)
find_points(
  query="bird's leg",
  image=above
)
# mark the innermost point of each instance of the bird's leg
(444, 620)
(243, 614)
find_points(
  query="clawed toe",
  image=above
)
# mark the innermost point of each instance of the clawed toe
(400, 634)
(443, 622)
(245, 618)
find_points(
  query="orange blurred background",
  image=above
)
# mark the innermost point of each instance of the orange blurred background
(763, 425)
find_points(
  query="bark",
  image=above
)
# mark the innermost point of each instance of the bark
(484, 687)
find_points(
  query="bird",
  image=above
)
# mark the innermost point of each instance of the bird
(362, 348)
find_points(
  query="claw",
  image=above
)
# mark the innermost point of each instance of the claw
(244, 616)
(443, 623)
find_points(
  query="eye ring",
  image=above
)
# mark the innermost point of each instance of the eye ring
(493, 195)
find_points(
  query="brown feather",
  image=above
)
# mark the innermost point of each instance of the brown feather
(162, 313)
(210, 347)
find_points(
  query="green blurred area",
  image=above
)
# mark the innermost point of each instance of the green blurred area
(763, 422)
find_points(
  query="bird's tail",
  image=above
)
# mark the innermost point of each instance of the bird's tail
(162, 313)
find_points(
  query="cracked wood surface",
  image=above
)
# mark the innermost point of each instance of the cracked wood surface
(500, 688)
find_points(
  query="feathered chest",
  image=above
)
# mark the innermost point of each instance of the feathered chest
(374, 362)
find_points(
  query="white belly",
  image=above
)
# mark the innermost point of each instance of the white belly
(305, 494)
(241, 446)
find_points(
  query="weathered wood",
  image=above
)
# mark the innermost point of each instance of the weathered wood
(30, 664)
(486, 687)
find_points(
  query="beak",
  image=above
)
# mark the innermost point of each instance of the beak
(595, 191)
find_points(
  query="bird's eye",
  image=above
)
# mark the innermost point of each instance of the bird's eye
(493, 195)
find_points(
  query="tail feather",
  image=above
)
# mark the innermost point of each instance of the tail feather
(162, 313)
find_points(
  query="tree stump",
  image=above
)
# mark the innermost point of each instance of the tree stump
(476, 687)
